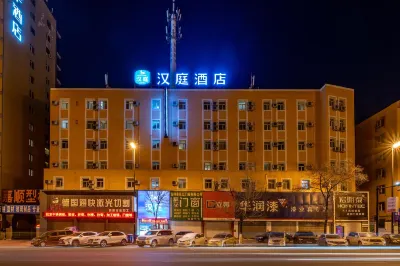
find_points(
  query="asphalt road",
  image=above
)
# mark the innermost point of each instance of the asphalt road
(132, 255)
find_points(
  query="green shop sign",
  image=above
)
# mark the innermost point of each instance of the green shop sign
(186, 206)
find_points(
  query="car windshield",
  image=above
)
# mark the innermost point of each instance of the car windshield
(104, 234)
(75, 234)
(276, 234)
(151, 233)
(190, 235)
(305, 234)
(332, 236)
(367, 235)
(45, 234)
(220, 236)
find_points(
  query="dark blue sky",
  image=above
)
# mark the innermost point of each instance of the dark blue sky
(287, 44)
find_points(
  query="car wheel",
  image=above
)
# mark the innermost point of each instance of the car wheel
(42, 244)
(153, 244)
(123, 242)
(234, 243)
(75, 243)
(359, 243)
(193, 244)
(171, 242)
(206, 242)
(348, 242)
(103, 243)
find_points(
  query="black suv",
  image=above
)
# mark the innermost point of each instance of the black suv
(305, 238)
(50, 238)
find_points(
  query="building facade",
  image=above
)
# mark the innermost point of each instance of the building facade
(196, 140)
(375, 139)
(28, 71)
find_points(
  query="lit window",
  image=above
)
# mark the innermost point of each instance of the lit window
(301, 105)
(128, 124)
(155, 124)
(154, 182)
(31, 127)
(182, 183)
(207, 166)
(129, 105)
(99, 182)
(64, 105)
(103, 124)
(30, 172)
(286, 184)
(182, 105)
(155, 144)
(208, 183)
(103, 105)
(224, 183)
(64, 124)
(103, 165)
(182, 144)
(267, 166)
(271, 183)
(155, 104)
(305, 184)
(31, 144)
(30, 157)
(59, 181)
(382, 206)
(242, 106)
(64, 165)
(155, 165)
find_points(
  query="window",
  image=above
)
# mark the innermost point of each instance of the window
(129, 105)
(246, 183)
(207, 125)
(242, 125)
(155, 104)
(155, 144)
(64, 124)
(281, 125)
(30, 157)
(182, 144)
(103, 124)
(271, 183)
(242, 166)
(31, 80)
(182, 105)
(224, 183)
(342, 145)
(380, 173)
(280, 106)
(85, 182)
(90, 124)
(207, 166)
(182, 183)
(103, 144)
(47, 66)
(381, 206)
(305, 184)
(242, 106)
(59, 182)
(90, 165)
(380, 123)
(32, 16)
(103, 105)
(267, 146)
(99, 182)
(332, 122)
(91, 144)
(267, 106)
(333, 164)
(206, 105)
(301, 105)
(30, 172)
(381, 190)
(267, 166)
(344, 186)
(182, 125)
(154, 182)
(129, 165)
(222, 125)
(208, 183)
(301, 125)
(130, 182)
(332, 101)
(242, 146)
(33, 31)
(286, 184)
(281, 146)
(281, 167)
(267, 125)
(221, 105)
(64, 105)
(64, 165)
(301, 167)
(129, 124)
(302, 146)
(155, 165)
(182, 165)
(32, 49)
(342, 124)
(64, 144)
(222, 145)
(31, 127)
(332, 142)
(207, 145)
(32, 64)
(155, 124)
(222, 166)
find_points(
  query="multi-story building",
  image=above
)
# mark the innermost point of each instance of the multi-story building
(375, 139)
(27, 72)
(191, 140)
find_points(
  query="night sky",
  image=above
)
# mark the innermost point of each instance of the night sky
(286, 44)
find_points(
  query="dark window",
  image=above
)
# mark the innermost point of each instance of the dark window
(33, 16)
(33, 2)
(33, 31)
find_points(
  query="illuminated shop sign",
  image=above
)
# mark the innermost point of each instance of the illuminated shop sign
(142, 77)
(27, 209)
(98, 215)
(20, 196)
(154, 221)
(17, 20)
(153, 204)
(186, 206)
(198, 79)
(351, 206)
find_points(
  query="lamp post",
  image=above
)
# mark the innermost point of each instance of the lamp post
(394, 146)
(378, 188)
(133, 147)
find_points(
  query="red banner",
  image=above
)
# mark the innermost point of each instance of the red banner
(218, 205)
(98, 215)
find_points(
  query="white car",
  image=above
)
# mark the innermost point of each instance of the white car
(276, 239)
(191, 240)
(76, 239)
(108, 238)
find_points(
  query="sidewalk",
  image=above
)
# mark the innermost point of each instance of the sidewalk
(15, 243)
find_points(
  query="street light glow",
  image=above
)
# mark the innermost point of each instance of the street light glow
(397, 183)
(396, 145)
(132, 144)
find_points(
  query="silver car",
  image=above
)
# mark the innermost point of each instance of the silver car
(365, 239)
(154, 238)
(276, 239)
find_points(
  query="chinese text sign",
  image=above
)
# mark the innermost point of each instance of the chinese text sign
(186, 206)
(351, 206)
(218, 205)
(17, 19)
(21, 196)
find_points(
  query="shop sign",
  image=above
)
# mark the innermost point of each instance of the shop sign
(351, 206)
(392, 204)
(154, 221)
(90, 203)
(21, 196)
(26, 209)
(218, 205)
(98, 215)
(153, 204)
(281, 205)
(186, 206)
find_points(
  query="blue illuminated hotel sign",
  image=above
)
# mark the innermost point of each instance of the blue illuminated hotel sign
(200, 79)
(142, 77)
(17, 21)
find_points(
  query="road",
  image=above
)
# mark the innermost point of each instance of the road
(132, 255)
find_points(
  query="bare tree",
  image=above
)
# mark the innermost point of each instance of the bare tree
(327, 179)
(156, 200)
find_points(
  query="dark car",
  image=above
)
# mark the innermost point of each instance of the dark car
(304, 238)
(50, 238)
(263, 237)
(180, 234)
(392, 239)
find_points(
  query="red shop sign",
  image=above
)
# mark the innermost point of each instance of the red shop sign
(218, 205)
(98, 215)
(153, 221)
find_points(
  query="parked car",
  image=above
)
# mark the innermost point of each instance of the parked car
(155, 238)
(276, 239)
(108, 238)
(181, 234)
(262, 238)
(192, 239)
(392, 239)
(50, 238)
(304, 238)
(365, 239)
(76, 239)
(222, 240)
(331, 240)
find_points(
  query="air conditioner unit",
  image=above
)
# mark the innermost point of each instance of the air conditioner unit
(174, 183)
(95, 106)
(310, 124)
(342, 128)
(250, 106)
(175, 123)
(335, 106)
(310, 104)
(250, 149)
(250, 127)
(310, 145)
(274, 105)
(274, 124)
(215, 106)
(174, 165)
(215, 166)
(275, 144)
(135, 123)
(215, 126)
(54, 122)
(95, 126)
(250, 144)
(95, 166)
(336, 149)
(54, 142)
(55, 103)
(95, 146)
(136, 103)
(274, 167)
(175, 144)
(175, 103)
(55, 164)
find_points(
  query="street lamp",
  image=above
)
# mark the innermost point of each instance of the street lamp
(378, 189)
(135, 182)
(394, 146)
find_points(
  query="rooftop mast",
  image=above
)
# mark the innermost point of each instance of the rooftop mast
(173, 34)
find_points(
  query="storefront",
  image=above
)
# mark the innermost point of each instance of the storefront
(218, 213)
(88, 210)
(186, 211)
(153, 210)
(20, 213)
